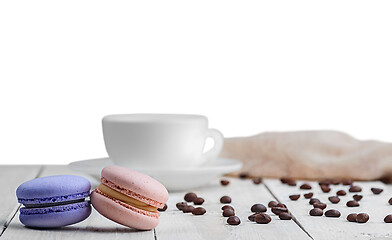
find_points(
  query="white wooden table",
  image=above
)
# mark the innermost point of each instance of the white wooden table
(177, 225)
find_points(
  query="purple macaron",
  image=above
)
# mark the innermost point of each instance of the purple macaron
(54, 201)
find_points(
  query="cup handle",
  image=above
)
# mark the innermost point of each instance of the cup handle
(218, 143)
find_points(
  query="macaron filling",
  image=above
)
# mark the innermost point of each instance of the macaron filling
(126, 199)
(43, 205)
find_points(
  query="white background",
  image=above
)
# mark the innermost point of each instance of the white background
(250, 66)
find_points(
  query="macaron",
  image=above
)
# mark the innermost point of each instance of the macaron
(129, 197)
(54, 201)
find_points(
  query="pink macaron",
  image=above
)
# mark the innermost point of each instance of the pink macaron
(129, 197)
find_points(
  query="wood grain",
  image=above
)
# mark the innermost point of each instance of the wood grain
(94, 227)
(177, 225)
(10, 178)
(338, 228)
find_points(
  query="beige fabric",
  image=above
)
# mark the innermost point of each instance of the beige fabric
(311, 155)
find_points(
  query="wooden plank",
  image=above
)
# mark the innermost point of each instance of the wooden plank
(10, 178)
(94, 227)
(177, 225)
(338, 228)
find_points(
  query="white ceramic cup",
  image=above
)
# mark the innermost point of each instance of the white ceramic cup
(159, 141)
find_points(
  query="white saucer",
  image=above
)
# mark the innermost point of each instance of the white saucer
(173, 179)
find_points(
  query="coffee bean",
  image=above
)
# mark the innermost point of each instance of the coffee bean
(284, 180)
(341, 193)
(189, 197)
(355, 189)
(257, 180)
(224, 182)
(316, 212)
(325, 182)
(390, 201)
(305, 186)
(352, 217)
(252, 217)
(181, 205)
(198, 201)
(278, 210)
(228, 212)
(243, 175)
(225, 199)
(292, 183)
(285, 216)
(227, 207)
(199, 211)
(388, 218)
(262, 218)
(313, 200)
(233, 220)
(288, 181)
(357, 197)
(362, 218)
(281, 205)
(258, 208)
(187, 209)
(319, 205)
(325, 188)
(347, 182)
(335, 181)
(294, 197)
(273, 204)
(352, 203)
(308, 195)
(163, 208)
(377, 190)
(334, 199)
(332, 213)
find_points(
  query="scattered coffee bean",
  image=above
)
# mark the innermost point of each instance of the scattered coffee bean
(278, 210)
(308, 195)
(390, 201)
(225, 199)
(352, 217)
(273, 204)
(362, 218)
(243, 175)
(252, 217)
(352, 203)
(199, 211)
(325, 182)
(292, 183)
(341, 193)
(257, 180)
(305, 186)
(163, 208)
(189, 197)
(335, 181)
(228, 212)
(198, 201)
(347, 182)
(332, 213)
(357, 197)
(388, 218)
(334, 199)
(227, 207)
(313, 200)
(288, 181)
(233, 220)
(294, 197)
(225, 182)
(262, 218)
(258, 208)
(281, 205)
(320, 205)
(355, 189)
(377, 190)
(285, 216)
(180, 205)
(325, 188)
(284, 180)
(187, 209)
(316, 212)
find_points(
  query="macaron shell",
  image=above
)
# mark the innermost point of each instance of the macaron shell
(53, 189)
(53, 217)
(139, 183)
(120, 214)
